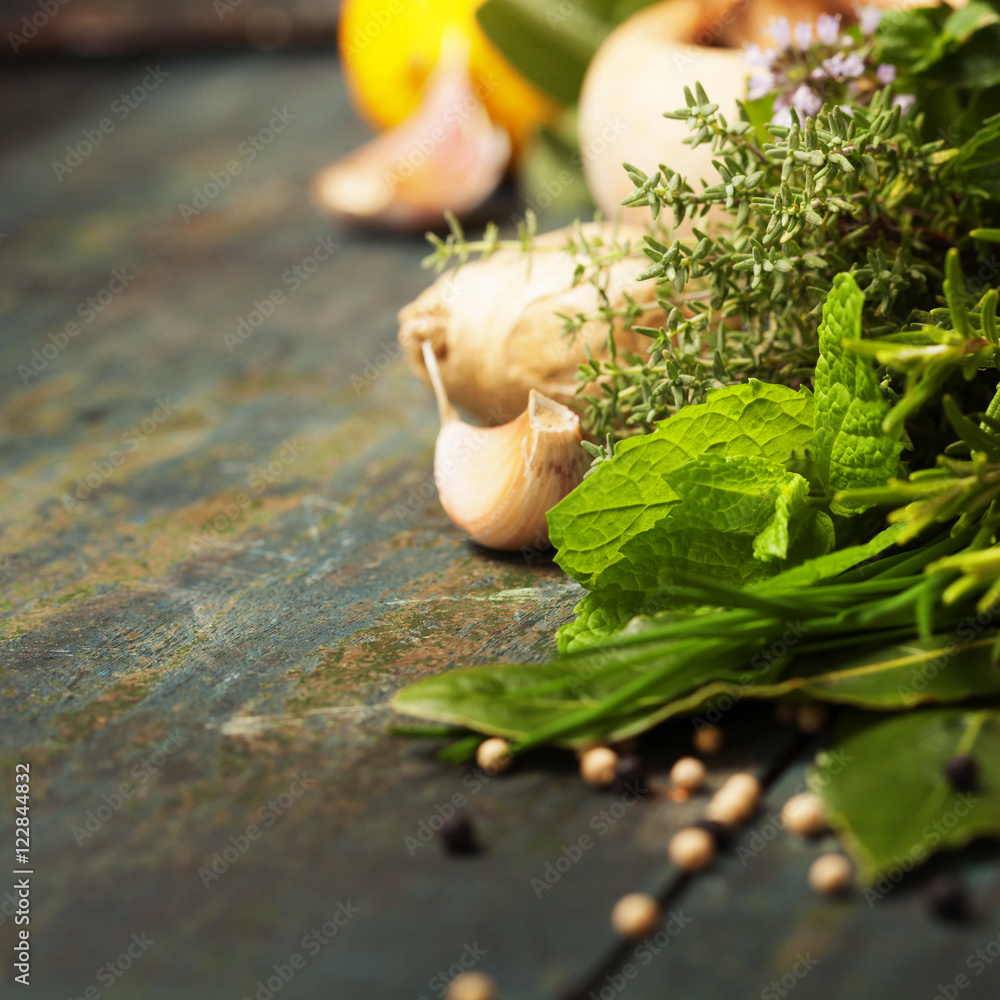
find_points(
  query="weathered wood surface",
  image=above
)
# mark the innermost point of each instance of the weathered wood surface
(259, 641)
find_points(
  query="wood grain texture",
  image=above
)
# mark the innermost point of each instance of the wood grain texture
(229, 662)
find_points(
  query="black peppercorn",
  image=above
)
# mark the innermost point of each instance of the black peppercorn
(718, 832)
(962, 772)
(947, 899)
(630, 775)
(458, 836)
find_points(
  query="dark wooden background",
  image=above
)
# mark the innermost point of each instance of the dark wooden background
(269, 651)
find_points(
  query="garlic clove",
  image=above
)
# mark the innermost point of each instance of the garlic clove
(498, 483)
(447, 156)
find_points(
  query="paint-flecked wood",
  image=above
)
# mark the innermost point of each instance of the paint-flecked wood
(221, 554)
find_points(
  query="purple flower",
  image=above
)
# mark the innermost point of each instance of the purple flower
(904, 102)
(868, 20)
(780, 31)
(803, 35)
(760, 86)
(885, 73)
(828, 28)
(755, 56)
(844, 67)
(806, 101)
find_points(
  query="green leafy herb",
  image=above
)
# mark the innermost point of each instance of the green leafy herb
(851, 450)
(888, 795)
(629, 494)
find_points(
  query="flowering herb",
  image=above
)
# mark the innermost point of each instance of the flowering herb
(812, 67)
(830, 360)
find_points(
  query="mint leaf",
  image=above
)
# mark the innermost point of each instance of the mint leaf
(628, 494)
(851, 449)
(734, 518)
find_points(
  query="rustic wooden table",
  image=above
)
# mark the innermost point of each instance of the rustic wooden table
(220, 555)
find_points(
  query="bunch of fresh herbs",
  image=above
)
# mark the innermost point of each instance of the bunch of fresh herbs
(840, 370)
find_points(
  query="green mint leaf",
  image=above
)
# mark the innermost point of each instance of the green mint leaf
(886, 792)
(852, 451)
(628, 494)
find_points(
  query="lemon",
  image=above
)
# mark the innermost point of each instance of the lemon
(390, 47)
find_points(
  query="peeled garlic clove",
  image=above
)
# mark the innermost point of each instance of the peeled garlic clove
(447, 155)
(497, 483)
(496, 328)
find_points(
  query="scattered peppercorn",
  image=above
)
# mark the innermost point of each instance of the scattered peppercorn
(718, 832)
(811, 717)
(598, 765)
(947, 898)
(830, 874)
(962, 772)
(688, 773)
(635, 915)
(630, 775)
(735, 801)
(679, 795)
(471, 986)
(493, 755)
(805, 814)
(692, 849)
(458, 835)
(709, 739)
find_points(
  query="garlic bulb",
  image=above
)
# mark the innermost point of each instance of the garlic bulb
(496, 329)
(448, 155)
(497, 483)
(641, 70)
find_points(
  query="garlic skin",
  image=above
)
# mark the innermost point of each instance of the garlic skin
(498, 483)
(446, 156)
(495, 328)
(641, 70)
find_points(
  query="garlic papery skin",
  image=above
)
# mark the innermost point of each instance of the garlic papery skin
(498, 483)
(497, 324)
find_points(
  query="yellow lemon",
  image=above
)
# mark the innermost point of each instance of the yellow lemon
(390, 47)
